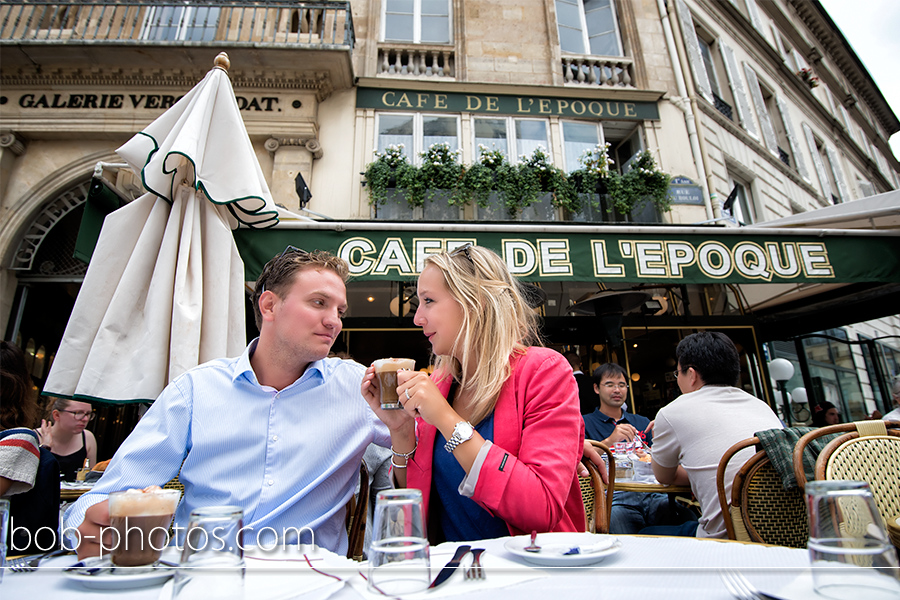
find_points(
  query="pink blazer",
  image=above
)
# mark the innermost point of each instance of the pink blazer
(528, 478)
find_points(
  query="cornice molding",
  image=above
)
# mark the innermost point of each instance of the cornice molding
(847, 61)
(173, 78)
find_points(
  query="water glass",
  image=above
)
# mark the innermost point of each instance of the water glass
(4, 523)
(399, 560)
(849, 550)
(212, 560)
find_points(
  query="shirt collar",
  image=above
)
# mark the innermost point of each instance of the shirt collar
(607, 419)
(243, 368)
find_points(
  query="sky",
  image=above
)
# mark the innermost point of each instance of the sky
(873, 29)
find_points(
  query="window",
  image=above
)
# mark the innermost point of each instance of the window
(503, 133)
(831, 177)
(588, 27)
(183, 23)
(418, 21)
(741, 207)
(417, 132)
(577, 137)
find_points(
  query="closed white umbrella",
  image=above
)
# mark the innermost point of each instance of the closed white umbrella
(164, 290)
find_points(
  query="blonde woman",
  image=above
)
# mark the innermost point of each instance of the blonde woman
(494, 436)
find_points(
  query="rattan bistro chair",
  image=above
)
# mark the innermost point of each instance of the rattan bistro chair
(761, 510)
(357, 509)
(596, 495)
(867, 451)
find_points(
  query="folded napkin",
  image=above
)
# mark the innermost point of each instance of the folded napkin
(281, 574)
(499, 571)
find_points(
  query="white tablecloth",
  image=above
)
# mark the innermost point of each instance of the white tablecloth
(646, 567)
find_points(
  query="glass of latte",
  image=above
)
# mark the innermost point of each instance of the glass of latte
(141, 520)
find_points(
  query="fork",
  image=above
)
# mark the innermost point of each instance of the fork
(741, 588)
(475, 571)
(24, 564)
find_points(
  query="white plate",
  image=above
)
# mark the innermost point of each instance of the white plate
(122, 577)
(554, 545)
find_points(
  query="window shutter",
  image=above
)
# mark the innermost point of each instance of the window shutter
(753, 11)
(882, 163)
(693, 48)
(798, 58)
(765, 122)
(866, 189)
(817, 161)
(845, 117)
(799, 162)
(778, 43)
(741, 101)
(838, 173)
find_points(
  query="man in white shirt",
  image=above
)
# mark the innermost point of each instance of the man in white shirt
(692, 433)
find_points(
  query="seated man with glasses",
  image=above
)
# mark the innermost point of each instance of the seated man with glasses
(693, 431)
(611, 423)
(279, 431)
(68, 438)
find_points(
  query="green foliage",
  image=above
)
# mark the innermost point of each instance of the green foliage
(388, 168)
(516, 186)
(643, 183)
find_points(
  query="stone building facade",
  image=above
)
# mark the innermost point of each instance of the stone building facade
(758, 102)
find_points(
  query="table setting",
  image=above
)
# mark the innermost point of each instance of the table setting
(846, 542)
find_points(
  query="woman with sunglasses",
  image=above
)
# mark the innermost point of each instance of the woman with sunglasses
(493, 437)
(67, 437)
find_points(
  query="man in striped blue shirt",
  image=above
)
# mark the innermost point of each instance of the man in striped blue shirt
(278, 431)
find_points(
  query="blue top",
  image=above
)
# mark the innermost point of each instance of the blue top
(461, 518)
(289, 458)
(598, 426)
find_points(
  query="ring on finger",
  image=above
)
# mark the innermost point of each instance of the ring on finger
(407, 394)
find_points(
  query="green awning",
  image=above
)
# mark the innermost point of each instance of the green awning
(690, 255)
(101, 200)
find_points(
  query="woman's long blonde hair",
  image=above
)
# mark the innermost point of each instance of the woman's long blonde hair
(497, 323)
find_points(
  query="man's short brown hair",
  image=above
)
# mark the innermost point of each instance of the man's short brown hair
(278, 274)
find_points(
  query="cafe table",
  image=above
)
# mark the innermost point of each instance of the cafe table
(668, 568)
(73, 490)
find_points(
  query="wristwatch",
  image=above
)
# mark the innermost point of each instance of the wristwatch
(462, 432)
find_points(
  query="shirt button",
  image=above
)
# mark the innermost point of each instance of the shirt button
(271, 482)
(274, 438)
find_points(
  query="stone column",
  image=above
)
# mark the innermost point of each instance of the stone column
(11, 147)
(291, 156)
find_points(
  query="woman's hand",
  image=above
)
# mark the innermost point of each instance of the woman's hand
(420, 397)
(46, 434)
(592, 454)
(396, 420)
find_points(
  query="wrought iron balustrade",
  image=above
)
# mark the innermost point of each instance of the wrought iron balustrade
(723, 107)
(276, 23)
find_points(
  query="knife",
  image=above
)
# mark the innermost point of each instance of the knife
(448, 569)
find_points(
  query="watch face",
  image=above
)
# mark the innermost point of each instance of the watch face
(465, 430)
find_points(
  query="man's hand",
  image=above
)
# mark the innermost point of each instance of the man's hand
(95, 525)
(622, 433)
(592, 454)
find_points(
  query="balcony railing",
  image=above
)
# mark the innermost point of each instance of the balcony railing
(723, 107)
(414, 60)
(219, 22)
(614, 71)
